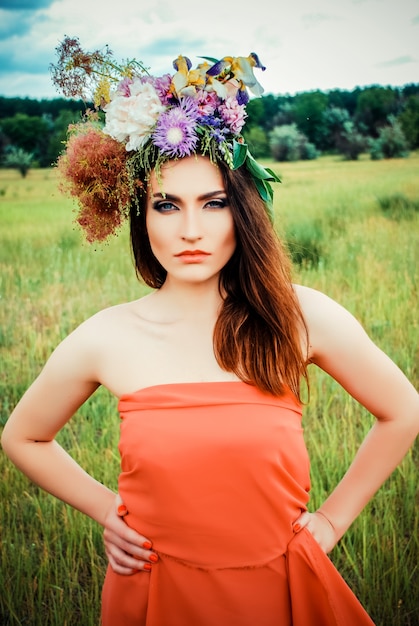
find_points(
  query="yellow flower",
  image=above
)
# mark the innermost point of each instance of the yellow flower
(102, 92)
(186, 81)
(240, 68)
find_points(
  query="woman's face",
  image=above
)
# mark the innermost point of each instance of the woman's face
(189, 221)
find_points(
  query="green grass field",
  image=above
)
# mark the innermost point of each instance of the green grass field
(353, 232)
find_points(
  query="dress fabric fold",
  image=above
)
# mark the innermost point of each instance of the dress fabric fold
(215, 474)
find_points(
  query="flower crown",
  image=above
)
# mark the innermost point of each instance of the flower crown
(147, 121)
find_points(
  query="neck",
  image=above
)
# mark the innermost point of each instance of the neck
(190, 301)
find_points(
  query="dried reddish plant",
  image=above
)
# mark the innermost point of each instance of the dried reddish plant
(93, 169)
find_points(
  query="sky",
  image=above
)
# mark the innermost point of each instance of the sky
(304, 44)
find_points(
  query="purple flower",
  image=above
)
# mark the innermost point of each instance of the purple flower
(175, 133)
(242, 96)
(124, 87)
(177, 63)
(162, 86)
(210, 120)
(218, 135)
(217, 129)
(217, 68)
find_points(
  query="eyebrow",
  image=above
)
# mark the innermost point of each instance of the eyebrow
(204, 196)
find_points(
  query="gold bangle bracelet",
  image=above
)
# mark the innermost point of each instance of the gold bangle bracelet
(326, 518)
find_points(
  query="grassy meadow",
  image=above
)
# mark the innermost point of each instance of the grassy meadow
(353, 233)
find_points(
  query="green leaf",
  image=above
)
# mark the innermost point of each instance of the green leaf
(210, 59)
(275, 177)
(240, 153)
(260, 175)
(266, 193)
(259, 171)
(263, 190)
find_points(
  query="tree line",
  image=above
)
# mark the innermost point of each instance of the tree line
(383, 121)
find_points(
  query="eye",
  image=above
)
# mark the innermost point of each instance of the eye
(164, 206)
(217, 203)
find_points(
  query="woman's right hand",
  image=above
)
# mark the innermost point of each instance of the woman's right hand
(127, 551)
(320, 527)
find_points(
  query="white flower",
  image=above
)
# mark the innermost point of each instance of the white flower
(131, 119)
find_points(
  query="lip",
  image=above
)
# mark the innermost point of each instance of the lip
(192, 256)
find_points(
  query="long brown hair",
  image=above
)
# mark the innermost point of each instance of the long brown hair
(259, 331)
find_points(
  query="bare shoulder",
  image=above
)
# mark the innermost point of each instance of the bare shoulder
(341, 347)
(316, 304)
(105, 323)
(328, 322)
(92, 340)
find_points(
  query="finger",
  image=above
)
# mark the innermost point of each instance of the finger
(129, 542)
(118, 530)
(121, 510)
(301, 522)
(120, 569)
(121, 549)
(127, 563)
(118, 499)
(128, 533)
(126, 549)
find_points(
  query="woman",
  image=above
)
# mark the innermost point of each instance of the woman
(210, 524)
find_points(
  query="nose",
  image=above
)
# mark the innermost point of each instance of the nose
(191, 225)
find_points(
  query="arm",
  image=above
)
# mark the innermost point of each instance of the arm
(65, 383)
(340, 346)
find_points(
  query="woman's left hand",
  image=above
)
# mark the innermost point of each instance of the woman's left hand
(320, 527)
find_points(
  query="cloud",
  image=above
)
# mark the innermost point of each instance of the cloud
(19, 5)
(311, 20)
(403, 60)
(334, 45)
(18, 22)
(169, 47)
(20, 50)
(10, 26)
(21, 60)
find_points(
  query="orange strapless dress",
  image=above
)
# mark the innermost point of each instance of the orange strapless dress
(214, 474)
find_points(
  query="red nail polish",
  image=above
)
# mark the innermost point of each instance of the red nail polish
(122, 510)
(153, 557)
(147, 567)
(297, 528)
(147, 545)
